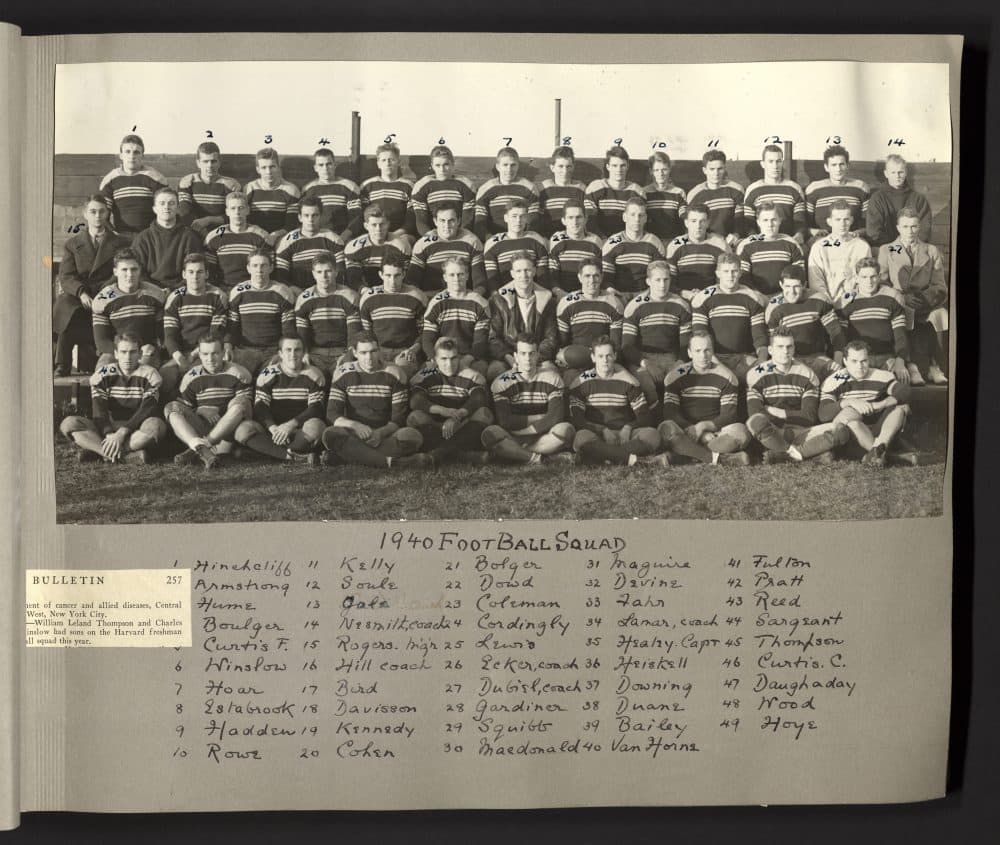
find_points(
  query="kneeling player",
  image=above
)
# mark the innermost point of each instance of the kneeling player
(124, 396)
(214, 400)
(448, 407)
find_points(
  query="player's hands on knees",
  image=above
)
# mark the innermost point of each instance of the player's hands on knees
(114, 444)
(363, 432)
(282, 434)
(900, 372)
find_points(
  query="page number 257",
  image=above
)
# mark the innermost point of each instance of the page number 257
(174, 579)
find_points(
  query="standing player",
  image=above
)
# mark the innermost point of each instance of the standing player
(626, 254)
(203, 194)
(501, 247)
(785, 194)
(699, 409)
(446, 241)
(393, 314)
(129, 306)
(460, 315)
(493, 199)
(569, 247)
(693, 257)
(765, 255)
(162, 245)
(664, 200)
(326, 317)
(128, 190)
(608, 196)
(721, 198)
(561, 189)
(582, 318)
(124, 396)
(391, 192)
(228, 247)
(340, 205)
(300, 246)
(814, 325)
(442, 187)
(364, 254)
(832, 259)
(521, 308)
(272, 200)
(823, 193)
(887, 201)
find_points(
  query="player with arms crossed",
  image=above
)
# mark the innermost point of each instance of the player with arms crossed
(442, 186)
(203, 194)
(228, 247)
(326, 317)
(339, 201)
(561, 189)
(271, 198)
(812, 321)
(391, 192)
(460, 315)
(721, 198)
(569, 247)
(128, 190)
(446, 241)
(608, 196)
(364, 254)
(693, 257)
(494, 197)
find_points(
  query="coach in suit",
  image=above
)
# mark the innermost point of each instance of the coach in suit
(87, 266)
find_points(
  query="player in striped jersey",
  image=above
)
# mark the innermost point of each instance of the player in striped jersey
(339, 199)
(442, 187)
(869, 401)
(287, 419)
(734, 316)
(832, 259)
(785, 194)
(391, 192)
(368, 410)
(699, 409)
(569, 247)
(446, 241)
(300, 246)
(584, 316)
(272, 199)
(501, 247)
(326, 317)
(214, 399)
(783, 407)
(261, 312)
(203, 194)
(194, 310)
(363, 255)
(626, 254)
(765, 255)
(812, 321)
(228, 247)
(722, 198)
(823, 193)
(124, 397)
(460, 315)
(561, 189)
(448, 405)
(609, 412)
(162, 245)
(665, 201)
(529, 408)
(608, 196)
(128, 190)
(494, 197)
(128, 305)
(393, 313)
(655, 331)
(692, 257)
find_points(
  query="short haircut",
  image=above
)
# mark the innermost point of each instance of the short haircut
(290, 339)
(697, 208)
(767, 205)
(460, 260)
(907, 211)
(563, 152)
(896, 157)
(386, 148)
(323, 152)
(448, 206)
(392, 257)
(638, 202)
(615, 152)
(236, 195)
(311, 202)
(865, 264)
(508, 152)
(590, 261)
(267, 154)
(125, 254)
(166, 189)
(208, 337)
(834, 151)
(771, 148)
(857, 346)
(526, 337)
(128, 337)
(516, 202)
(372, 210)
(841, 205)
(448, 344)
(659, 264)
(781, 331)
(793, 271)
(261, 252)
(195, 258)
(601, 340)
(441, 151)
(95, 198)
(713, 155)
(574, 204)
(659, 157)
(522, 255)
(207, 148)
(322, 259)
(132, 139)
(364, 337)
(727, 258)
(701, 333)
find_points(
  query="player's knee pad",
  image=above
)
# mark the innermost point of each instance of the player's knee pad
(409, 439)
(154, 428)
(492, 435)
(174, 407)
(739, 433)
(668, 430)
(72, 424)
(564, 431)
(757, 423)
(582, 438)
(333, 437)
(244, 431)
(577, 357)
(313, 429)
(648, 435)
(415, 419)
(399, 373)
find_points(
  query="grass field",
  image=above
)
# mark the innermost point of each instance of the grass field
(258, 491)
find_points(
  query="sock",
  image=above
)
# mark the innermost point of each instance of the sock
(266, 446)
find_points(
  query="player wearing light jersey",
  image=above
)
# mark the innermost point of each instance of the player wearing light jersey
(326, 317)
(823, 193)
(391, 191)
(364, 254)
(271, 198)
(665, 201)
(832, 259)
(555, 193)
(128, 190)
(785, 194)
(460, 315)
(815, 326)
(494, 197)
(569, 247)
(339, 198)
(447, 240)
(228, 247)
(692, 257)
(721, 198)
(442, 187)
(298, 248)
(626, 254)
(203, 194)
(609, 195)
(500, 248)
(763, 256)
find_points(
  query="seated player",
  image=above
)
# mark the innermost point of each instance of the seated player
(261, 312)
(446, 240)
(699, 409)
(368, 409)
(784, 194)
(887, 200)
(522, 307)
(297, 249)
(86, 268)
(460, 315)
(529, 407)
(194, 310)
(132, 306)
(823, 193)
(609, 195)
(916, 270)
(763, 256)
(162, 245)
(556, 192)
(721, 198)
(393, 313)
(815, 326)
(448, 406)
(391, 192)
(271, 198)
(734, 315)
(693, 257)
(203, 194)
(287, 419)
(569, 247)
(869, 401)
(609, 412)
(363, 255)
(128, 190)
(582, 318)
(783, 407)
(339, 199)
(655, 331)
(626, 254)
(326, 317)
(494, 197)
(665, 201)
(442, 187)
(874, 313)
(124, 397)
(832, 259)
(214, 399)
(501, 247)
(229, 246)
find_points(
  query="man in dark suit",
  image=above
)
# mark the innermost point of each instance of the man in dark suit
(87, 266)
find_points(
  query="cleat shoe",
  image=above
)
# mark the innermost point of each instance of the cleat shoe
(661, 460)
(916, 379)
(936, 375)
(207, 456)
(421, 460)
(823, 458)
(186, 458)
(139, 456)
(772, 457)
(903, 459)
(300, 457)
(875, 457)
(569, 458)
(734, 459)
(85, 456)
